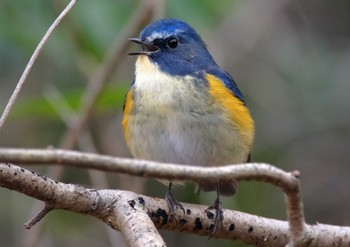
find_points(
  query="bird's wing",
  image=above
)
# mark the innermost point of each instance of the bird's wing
(239, 108)
(126, 95)
(227, 79)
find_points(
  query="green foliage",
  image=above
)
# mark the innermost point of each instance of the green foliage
(110, 99)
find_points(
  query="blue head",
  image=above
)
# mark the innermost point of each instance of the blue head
(175, 47)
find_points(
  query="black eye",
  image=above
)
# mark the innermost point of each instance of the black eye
(172, 42)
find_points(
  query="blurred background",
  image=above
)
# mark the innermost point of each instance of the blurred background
(291, 60)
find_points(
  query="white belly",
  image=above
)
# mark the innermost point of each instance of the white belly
(186, 139)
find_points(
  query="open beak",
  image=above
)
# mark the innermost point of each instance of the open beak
(147, 48)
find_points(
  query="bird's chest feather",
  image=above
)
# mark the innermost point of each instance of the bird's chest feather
(175, 120)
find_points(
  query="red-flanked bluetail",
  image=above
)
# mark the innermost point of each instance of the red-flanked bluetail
(183, 108)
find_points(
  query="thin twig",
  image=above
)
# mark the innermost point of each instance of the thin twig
(257, 171)
(32, 61)
(38, 217)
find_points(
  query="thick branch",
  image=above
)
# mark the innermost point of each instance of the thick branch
(109, 206)
(128, 212)
(131, 219)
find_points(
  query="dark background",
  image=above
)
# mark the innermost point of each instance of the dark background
(291, 59)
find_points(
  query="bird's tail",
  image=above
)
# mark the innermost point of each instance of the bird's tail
(226, 188)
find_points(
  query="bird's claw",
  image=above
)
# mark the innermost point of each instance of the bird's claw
(218, 218)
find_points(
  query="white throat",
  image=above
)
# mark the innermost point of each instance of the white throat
(150, 78)
(158, 89)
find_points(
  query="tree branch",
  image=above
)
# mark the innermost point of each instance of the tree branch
(105, 205)
(288, 182)
(130, 213)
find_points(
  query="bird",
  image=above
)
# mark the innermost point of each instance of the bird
(183, 108)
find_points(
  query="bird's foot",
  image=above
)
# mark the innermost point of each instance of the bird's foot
(172, 203)
(218, 218)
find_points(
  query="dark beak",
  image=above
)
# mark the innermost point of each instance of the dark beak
(147, 48)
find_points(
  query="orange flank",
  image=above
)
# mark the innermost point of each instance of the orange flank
(237, 111)
(129, 103)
